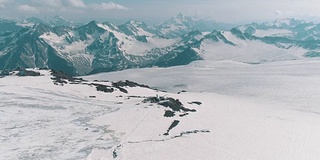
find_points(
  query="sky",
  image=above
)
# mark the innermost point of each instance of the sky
(155, 11)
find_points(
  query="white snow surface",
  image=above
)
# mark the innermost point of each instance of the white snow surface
(249, 51)
(253, 111)
(273, 33)
(265, 111)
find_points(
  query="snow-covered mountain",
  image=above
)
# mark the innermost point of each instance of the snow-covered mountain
(139, 29)
(7, 25)
(288, 28)
(99, 47)
(181, 24)
(90, 48)
(51, 21)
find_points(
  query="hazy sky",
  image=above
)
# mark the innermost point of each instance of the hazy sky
(231, 11)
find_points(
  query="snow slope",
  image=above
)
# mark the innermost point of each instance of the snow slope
(266, 111)
(249, 111)
(250, 51)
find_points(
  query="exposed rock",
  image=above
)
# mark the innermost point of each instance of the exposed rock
(195, 102)
(175, 105)
(183, 91)
(104, 88)
(63, 78)
(24, 72)
(183, 115)
(173, 124)
(169, 114)
(4, 72)
(127, 83)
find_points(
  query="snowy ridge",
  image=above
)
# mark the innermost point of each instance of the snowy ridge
(103, 47)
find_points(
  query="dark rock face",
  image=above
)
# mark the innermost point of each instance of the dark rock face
(173, 124)
(174, 104)
(169, 113)
(128, 84)
(4, 73)
(195, 102)
(104, 88)
(183, 91)
(59, 77)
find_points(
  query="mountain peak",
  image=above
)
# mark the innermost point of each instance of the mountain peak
(180, 16)
(134, 22)
(59, 17)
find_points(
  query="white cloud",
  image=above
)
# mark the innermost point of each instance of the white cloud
(27, 8)
(3, 3)
(46, 3)
(283, 13)
(76, 3)
(108, 6)
(6, 1)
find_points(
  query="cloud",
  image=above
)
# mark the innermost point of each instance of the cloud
(75, 3)
(108, 6)
(27, 8)
(46, 3)
(6, 1)
(47, 6)
(3, 3)
(283, 13)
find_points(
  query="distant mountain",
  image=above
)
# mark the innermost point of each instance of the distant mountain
(101, 47)
(181, 24)
(91, 48)
(139, 29)
(51, 21)
(7, 25)
(288, 28)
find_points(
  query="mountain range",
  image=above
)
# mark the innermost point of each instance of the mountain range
(101, 47)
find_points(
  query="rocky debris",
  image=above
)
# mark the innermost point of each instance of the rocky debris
(59, 77)
(100, 81)
(192, 132)
(184, 114)
(128, 83)
(44, 68)
(169, 113)
(5, 72)
(135, 96)
(173, 137)
(122, 90)
(183, 91)
(153, 99)
(173, 124)
(174, 104)
(115, 151)
(23, 72)
(195, 102)
(103, 88)
(119, 85)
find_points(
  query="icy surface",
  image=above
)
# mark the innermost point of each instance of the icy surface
(249, 111)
